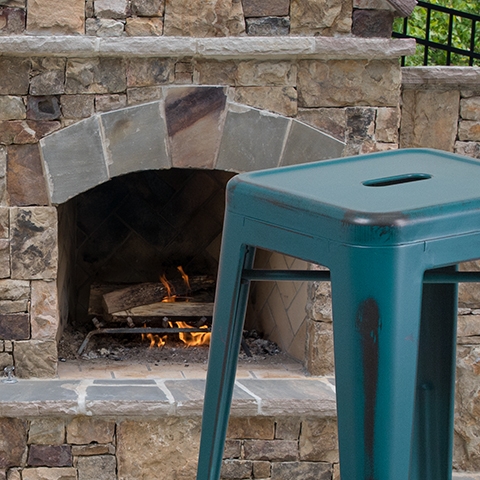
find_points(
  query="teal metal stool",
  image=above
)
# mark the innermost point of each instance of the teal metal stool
(384, 224)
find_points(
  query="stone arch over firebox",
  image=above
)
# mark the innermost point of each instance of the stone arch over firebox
(189, 127)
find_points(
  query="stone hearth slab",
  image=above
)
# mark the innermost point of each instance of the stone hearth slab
(148, 397)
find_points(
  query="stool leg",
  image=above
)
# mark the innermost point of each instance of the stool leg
(228, 319)
(376, 297)
(433, 432)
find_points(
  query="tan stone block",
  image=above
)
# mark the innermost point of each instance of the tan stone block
(262, 469)
(236, 469)
(338, 83)
(46, 431)
(467, 408)
(204, 18)
(255, 73)
(4, 212)
(320, 17)
(148, 8)
(469, 293)
(429, 119)
(48, 76)
(6, 360)
(387, 125)
(107, 103)
(319, 440)
(85, 430)
(471, 149)
(470, 108)
(12, 108)
(251, 427)
(14, 474)
(104, 27)
(77, 106)
(147, 72)
(34, 247)
(49, 16)
(139, 443)
(136, 96)
(144, 27)
(14, 295)
(13, 433)
(93, 449)
(233, 449)
(287, 428)
(469, 130)
(282, 100)
(44, 313)
(213, 72)
(35, 358)
(100, 75)
(370, 146)
(25, 181)
(5, 260)
(111, 8)
(25, 131)
(329, 120)
(4, 220)
(15, 76)
(99, 466)
(46, 473)
(271, 450)
(319, 348)
(336, 471)
(266, 8)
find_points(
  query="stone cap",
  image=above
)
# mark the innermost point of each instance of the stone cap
(312, 397)
(416, 77)
(215, 48)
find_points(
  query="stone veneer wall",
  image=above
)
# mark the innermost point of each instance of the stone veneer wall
(149, 429)
(440, 109)
(58, 77)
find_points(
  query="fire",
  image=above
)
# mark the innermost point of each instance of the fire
(192, 339)
(184, 276)
(155, 340)
(170, 297)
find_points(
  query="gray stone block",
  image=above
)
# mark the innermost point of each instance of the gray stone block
(306, 144)
(268, 26)
(74, 160)
(252, 139)
(135, 139)
(281, 397)
(131, 392)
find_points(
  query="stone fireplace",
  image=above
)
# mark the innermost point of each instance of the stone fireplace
(197, 133)
(145, 185)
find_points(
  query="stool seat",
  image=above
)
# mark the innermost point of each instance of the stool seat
(408, 192)
(379, 222)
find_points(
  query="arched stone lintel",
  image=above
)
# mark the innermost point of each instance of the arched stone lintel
(190, 127)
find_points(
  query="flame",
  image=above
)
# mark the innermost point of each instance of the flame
(170, 297)
(156, 340)
(184, 276)
(192, 339)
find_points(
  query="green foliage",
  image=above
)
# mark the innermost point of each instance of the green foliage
(439, 23)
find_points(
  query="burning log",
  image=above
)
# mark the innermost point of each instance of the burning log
(152, 293)
(165, 309)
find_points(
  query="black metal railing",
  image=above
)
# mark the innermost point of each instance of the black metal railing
(455, 51)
